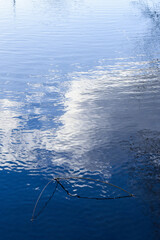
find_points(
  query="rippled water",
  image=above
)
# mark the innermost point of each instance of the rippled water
(79, 96)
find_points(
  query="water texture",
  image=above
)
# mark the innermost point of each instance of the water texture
(79, 96)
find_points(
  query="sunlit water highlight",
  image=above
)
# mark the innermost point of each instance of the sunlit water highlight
(79, 96)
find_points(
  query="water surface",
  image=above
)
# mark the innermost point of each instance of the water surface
(79, 96)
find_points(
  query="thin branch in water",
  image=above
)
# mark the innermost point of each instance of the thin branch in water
(58, 182)
(42, 209)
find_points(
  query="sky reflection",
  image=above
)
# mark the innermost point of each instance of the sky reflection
(98, 107)
(79, 96)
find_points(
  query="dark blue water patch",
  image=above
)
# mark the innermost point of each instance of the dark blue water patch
(144, 173)
(64, 216)
(34, 123)
(37, 122)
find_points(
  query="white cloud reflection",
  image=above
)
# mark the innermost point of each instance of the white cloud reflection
(8, 120)
(97, 103)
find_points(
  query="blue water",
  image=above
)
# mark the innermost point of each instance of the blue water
(79, 96)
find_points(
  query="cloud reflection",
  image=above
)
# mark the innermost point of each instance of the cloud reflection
(99, 109)
(8, 120)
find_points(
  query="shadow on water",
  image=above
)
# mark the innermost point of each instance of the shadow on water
(144, 171)
(149, 44)
(14, 7)
(150, 9)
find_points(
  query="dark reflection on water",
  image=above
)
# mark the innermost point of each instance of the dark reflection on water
(79, 96)
(150, 10)
(145, 171)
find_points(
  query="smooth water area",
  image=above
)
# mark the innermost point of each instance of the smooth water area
(80, 96)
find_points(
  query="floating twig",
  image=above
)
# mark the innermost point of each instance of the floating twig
(58, 182)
